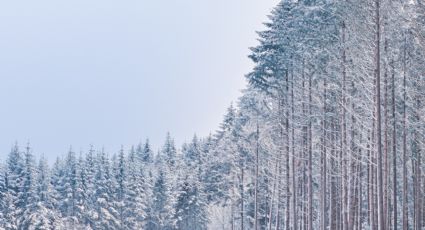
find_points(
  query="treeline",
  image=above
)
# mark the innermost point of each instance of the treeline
(138, 189)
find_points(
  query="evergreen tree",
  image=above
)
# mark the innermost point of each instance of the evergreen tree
(28, 193)
(105, 216)
(138, 192)
(169, 152)
(191, 205)
(162, 211)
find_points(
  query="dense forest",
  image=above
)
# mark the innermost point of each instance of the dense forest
(328, 134)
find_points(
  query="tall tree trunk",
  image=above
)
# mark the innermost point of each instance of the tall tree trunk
(310, 156)
(385, 153)
(323, 214)
(294, 185)
(256, 177)
(273, 194)
(288, 191)
(417, 157)
(333, 171)
(242, 197)
(344, 152)
(381, 213)
(279, 191)
(405, 217)
(394, 149)
(304, 204)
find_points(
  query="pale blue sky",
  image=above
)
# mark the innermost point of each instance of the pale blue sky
(107, 73)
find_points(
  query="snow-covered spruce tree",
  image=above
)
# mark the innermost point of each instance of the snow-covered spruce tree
(145, 153)
(87, 177)
(45, 215)
(191, 206)
(68, 186)
(120, 186)
(161, 213)
(138, 192)
(27, 194)
(105, 215)
(12, 179)
(3, 191)
(217, 164)
(168, 152)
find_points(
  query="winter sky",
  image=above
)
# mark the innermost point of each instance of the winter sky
(111, 73)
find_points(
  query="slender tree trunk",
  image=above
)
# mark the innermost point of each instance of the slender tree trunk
(353, 165)
(242, 197)
(288, 191)
(256, 178)
(323, 214)
(381, 213)
(273, 194)
(277, 224)
(371, 207)
(405, 220)
(385, 153)
(303, 191)
(394, 150)
(279, 191)
(417, 157)
(310, 156)
(333, 202)
(360, 184)
(232, 208)
(344, 152)
(294, 186)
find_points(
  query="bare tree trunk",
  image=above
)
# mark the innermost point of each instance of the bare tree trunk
(242, 198)
(381, 213)
(310, 156)
(288, 191)
(344, 152)
(360, 184)
(371, 196)
(304, 204)
(324, 161)
(273, 194)
(232, 209)
(405, 220)
(394, 151)
(294, 187)
(353, 166)
(256, 178)
(278, 200)
(333, 171)
(385, 154)
(417, 157)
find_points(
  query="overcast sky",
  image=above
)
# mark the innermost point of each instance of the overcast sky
(112, 73)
